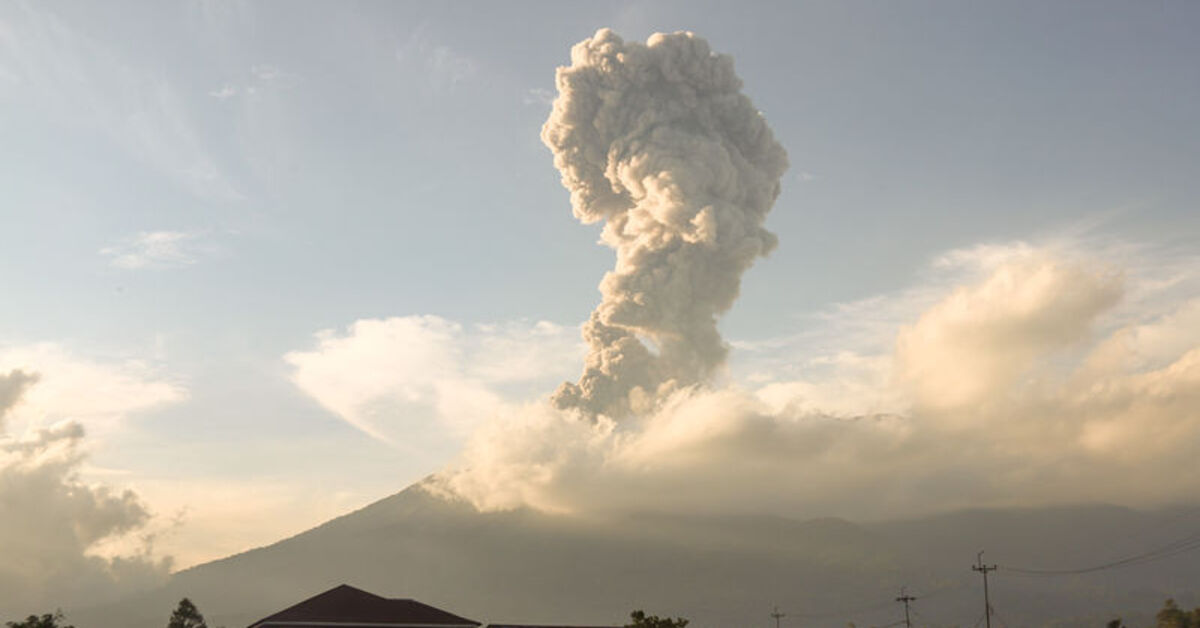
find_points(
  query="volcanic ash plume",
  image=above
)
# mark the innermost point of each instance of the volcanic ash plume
(658, 141)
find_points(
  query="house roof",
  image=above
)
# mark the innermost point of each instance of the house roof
(345, 605)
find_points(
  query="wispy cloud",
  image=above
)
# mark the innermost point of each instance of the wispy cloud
(51, 65)
(261, 77)
(225, 92)
(538, 96)
(158, 250)
(444, 67)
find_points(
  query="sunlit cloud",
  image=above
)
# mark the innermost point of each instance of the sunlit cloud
(150, 250)
(1026, 384)
(424, 379)
(97, 394)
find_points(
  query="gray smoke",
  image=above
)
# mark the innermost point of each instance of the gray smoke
(12, 386)
(658, 141)
(52, 520)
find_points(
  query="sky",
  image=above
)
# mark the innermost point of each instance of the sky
(269, 262)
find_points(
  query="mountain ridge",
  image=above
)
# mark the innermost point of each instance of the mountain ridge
(532, 567)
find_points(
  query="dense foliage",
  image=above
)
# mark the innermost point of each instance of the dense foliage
(45, 621)
(1171, 616)
(641, 620)
(186, 615)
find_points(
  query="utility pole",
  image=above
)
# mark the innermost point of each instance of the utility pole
(984, 569)
(906, 598)
(777, 615)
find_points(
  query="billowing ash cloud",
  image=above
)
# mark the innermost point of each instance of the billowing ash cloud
(1047, 377)
(657, 140)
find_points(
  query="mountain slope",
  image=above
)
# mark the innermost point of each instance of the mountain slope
(527, 566)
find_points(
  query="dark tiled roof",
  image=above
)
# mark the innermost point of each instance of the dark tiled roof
(345, 604)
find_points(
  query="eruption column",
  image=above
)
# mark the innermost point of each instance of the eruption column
(658, 141)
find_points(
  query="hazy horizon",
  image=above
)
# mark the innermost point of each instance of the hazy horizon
(272, 263)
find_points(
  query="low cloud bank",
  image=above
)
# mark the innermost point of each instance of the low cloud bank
(58, 532)
(1045, 380)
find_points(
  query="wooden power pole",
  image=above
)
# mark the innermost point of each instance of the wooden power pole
(987, 603)
(777, 616)
(906, 598)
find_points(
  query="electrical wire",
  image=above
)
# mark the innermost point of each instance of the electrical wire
(845, 612)
(925, 620)
(1180, 546)
(864, 609)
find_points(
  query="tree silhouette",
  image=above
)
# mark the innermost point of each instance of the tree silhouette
(1171, 616)
(186, 615)
(45, 621)
(641, 620)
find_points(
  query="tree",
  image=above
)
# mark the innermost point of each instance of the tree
(45, 621)
(186, 615)
(641, 620)
(1171, 616)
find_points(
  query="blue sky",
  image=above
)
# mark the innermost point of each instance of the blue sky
(193, 190)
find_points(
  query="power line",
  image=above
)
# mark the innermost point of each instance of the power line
(859, 610)
(844, 612)
(922, 617)
(1180, 546)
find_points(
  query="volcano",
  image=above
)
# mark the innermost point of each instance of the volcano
(531, 567)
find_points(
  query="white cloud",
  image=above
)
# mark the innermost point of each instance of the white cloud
(443, 67)
(263, 76)
(538, 96)
(159, 250)
(979, 339)
(225, 92)
(412, 381)
(271, 75)
(98, 395)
